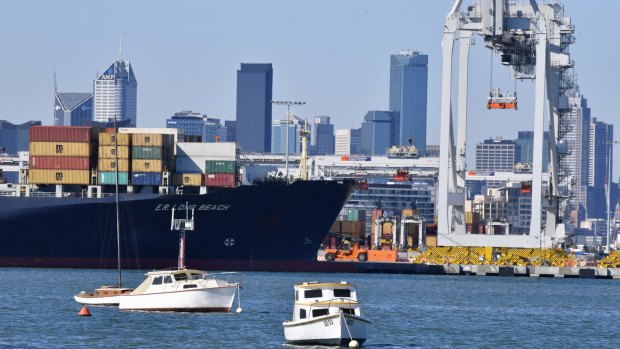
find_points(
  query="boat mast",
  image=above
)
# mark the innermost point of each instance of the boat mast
(118, 224)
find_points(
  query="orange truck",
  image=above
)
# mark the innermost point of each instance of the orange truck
(351, 251)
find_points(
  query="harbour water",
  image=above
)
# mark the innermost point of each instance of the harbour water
(37, 310)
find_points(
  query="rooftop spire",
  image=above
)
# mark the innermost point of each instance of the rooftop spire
(120, 49)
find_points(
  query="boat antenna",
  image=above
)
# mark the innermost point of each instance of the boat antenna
(118, 224)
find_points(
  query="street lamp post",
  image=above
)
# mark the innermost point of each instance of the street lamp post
(609, 173)
(288, 114)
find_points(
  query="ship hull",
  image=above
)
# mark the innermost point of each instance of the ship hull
(268, 227)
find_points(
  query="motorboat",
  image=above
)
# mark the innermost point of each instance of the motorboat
(183, 289)
(326, 314)
(186, 290)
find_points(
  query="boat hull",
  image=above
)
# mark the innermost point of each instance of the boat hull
(327, 330)
(213, 299)
(269, 227)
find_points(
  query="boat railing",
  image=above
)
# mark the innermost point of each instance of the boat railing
(231, 277)
(338, 302)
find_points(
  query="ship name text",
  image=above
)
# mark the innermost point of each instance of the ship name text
(204, 207)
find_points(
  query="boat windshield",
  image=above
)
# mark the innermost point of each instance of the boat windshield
(347, 311)
(342, 293)
(180, 276)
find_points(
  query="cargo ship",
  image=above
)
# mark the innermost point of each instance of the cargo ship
(266, 226)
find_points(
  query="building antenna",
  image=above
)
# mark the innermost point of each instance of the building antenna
(55, 84)
(120, 49)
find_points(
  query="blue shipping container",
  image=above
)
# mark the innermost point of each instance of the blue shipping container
(146, 178)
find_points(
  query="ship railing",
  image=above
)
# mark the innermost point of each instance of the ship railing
(8, 193)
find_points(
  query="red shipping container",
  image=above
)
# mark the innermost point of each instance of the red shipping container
(61, 134)
(220, 180)
(59, 163)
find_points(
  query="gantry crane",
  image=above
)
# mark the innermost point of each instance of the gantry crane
(533, 42)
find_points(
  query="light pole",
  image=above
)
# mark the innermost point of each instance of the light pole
(609, 173)
(288, 114)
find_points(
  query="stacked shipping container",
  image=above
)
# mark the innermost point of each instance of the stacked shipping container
(219, 173)
(109, 160)
(151, 154)
(61, 154)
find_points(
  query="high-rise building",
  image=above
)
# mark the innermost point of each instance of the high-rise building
(196, 127)
(254, 96)
(279, 137)
(116, 91)
(14, 138)
(525, 142)
(496, 155)
(378, 132)
(322, 136)
(408, 90)
(348, 141)
(577, 142)
(72, 109)
(231, 130)
(599, 152)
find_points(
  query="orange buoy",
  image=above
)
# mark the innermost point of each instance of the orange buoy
(84, 311)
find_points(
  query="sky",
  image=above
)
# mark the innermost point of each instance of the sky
(334, 55)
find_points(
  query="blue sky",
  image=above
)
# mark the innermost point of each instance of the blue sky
(332, 54)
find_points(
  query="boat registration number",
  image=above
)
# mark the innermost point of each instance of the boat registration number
(328, 322)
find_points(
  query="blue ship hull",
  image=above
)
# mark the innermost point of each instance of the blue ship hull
(268, 227)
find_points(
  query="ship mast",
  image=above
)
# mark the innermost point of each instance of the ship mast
(118, 224)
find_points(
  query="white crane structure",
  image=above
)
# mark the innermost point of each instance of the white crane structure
(533, 42)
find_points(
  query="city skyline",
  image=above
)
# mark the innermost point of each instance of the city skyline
(204, 79)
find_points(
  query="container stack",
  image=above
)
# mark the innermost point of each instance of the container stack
(219, 173)
(61, 154)
(187, 179)
(109, 160)
(151, 154)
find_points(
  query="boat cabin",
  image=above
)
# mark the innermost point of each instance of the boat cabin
(315, 299)
(169, 280)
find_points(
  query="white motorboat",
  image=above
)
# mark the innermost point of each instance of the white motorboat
(183, 289)
(326, 314)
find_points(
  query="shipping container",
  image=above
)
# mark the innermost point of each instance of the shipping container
(353, 214)
(59, 149)
(109, 152)
(59, 162)
(211, 151)
(81, 177)
(219, 166)
(138, 165)
(431, 240)
(147, 139)
(145, 178)
(407, 212)
(110, 178)
(110, 165)
(472, 217)
(146, 152)
(187, 179)
(220, 180)
(106, 138)
(82, 134)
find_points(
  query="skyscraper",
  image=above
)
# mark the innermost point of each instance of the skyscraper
(279, 136)
(14, 138)
(600, 133)
(576, 159)
(525, 142)
(72, 109)
(116, 92)
(254, 96)
(322, 136)
(231, 130)
(496, 155)
(378, 132)
(408, 90)
(348, 141)
(196, 127)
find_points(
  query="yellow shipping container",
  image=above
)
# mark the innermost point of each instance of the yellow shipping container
(109, 138)
(59, 149)
(146, 139)
(472, 217)
(59, 177)
(187, 179)
(146, 165)
(109, 165)
(107, 152)
(407, 212)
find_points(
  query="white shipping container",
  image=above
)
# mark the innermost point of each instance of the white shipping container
(209, 151)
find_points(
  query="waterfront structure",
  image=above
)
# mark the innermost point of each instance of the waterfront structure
(14, 137)
(279, 137)
(72, 109)
(496, 155)
(254, 96)
(231, 130)
(408, 96)
(348, 141)
(116, 91)
(322, 139)
(379, 132)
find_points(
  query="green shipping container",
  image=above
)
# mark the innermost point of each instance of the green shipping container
(110, 178)
(219, 166)
(353, 214)
(146, 153)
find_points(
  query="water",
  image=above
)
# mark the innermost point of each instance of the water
(37, 310)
